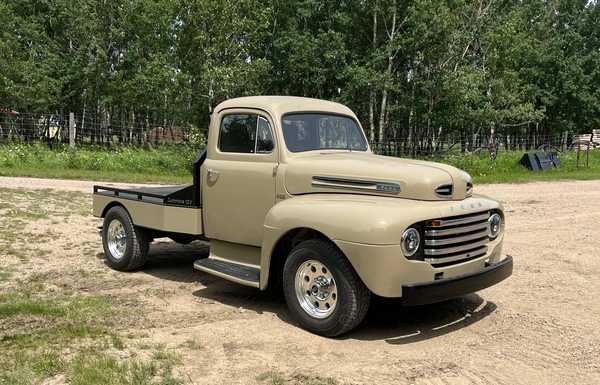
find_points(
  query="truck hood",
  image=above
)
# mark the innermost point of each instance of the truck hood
(367, 173)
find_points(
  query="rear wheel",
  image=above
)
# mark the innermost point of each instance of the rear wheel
(322, 290)
(125, 245)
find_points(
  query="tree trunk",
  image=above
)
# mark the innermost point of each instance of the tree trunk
(372, 91)
(388, 74)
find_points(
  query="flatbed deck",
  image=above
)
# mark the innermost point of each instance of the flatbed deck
(180, 196)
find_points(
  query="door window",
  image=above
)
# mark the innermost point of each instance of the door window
(245, 133)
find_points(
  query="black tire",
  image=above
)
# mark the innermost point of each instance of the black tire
(136, 242)
(353, 296)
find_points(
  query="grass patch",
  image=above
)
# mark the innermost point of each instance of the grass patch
(5, 273)
(100, 369)
(506, 168)
(275, 377)
(166, 164)
(172, 164)
(40, 321)
(77, 308)
(44, 333)
(191, 344)
(37, 326)
(272, 377)
(26, 367)
(100, 176)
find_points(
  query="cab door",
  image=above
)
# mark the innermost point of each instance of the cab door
(238, 176)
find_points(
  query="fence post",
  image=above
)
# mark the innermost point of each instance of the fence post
(71, 130)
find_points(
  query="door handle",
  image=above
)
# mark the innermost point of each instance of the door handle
(211, 173)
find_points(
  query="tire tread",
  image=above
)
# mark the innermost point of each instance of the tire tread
(139, 240)
(358, 300)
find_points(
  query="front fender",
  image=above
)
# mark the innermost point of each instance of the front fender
(357, 219)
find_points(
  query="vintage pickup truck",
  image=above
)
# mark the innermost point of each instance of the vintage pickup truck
(290, 195)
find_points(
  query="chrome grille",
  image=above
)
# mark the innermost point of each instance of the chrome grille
(456, 239)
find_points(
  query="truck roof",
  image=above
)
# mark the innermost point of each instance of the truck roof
(280, 105)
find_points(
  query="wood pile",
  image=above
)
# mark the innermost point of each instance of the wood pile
(596, 138)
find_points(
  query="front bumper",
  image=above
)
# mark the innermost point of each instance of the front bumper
(443, 289)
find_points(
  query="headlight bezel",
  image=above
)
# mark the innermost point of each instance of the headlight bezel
(495, 225)
(411, 234)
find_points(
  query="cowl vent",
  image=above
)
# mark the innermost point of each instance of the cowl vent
(444, 190)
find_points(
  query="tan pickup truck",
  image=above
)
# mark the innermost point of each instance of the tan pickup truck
(289, 195)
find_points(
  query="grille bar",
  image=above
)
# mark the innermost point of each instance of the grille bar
(462, 221)
(459, 257)
(457, 230)
(450, 241)
(448, 250)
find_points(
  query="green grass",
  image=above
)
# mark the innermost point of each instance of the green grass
(100, 369)
(275, 377)
(166, 164)
(27, 367)
(39, 326)
(52, 320)
(6, 273)
(172, 164)
(24, 303)
(506, 168)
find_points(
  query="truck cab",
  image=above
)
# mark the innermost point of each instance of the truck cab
(289, 194)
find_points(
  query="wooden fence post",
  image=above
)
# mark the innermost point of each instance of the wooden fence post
(71, 130)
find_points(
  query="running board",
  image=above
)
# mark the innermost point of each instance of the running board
(242, 274)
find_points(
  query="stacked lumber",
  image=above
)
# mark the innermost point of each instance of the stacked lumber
(582, 141)
(596, 138)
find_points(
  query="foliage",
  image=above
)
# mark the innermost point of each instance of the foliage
(413, 69)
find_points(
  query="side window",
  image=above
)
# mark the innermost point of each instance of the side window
(238, 133)
(245, 133)
(264, 138)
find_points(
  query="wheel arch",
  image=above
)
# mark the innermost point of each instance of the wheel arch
(273, 261)
(110, 206)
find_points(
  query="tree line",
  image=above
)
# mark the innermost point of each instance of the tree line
(419, 71)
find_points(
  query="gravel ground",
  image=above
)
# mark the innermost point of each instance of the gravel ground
(541, 326)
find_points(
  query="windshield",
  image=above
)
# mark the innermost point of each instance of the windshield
(314, 131)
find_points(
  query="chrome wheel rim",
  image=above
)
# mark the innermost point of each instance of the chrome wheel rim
(315, 289)
(116, 238)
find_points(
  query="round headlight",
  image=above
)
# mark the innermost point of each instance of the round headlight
(495, 225)
(410, 242)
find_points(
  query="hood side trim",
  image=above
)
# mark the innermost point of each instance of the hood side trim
(356, 184)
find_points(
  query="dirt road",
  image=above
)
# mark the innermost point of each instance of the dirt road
(542, 326)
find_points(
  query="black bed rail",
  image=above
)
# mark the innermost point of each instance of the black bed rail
(174, 199)
(140, 195)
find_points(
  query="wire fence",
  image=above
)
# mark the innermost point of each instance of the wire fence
(91, 130)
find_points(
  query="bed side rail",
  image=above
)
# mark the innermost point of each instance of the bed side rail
(183, 198)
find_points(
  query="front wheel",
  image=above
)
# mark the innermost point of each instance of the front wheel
(125, 245)
(322, 290)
